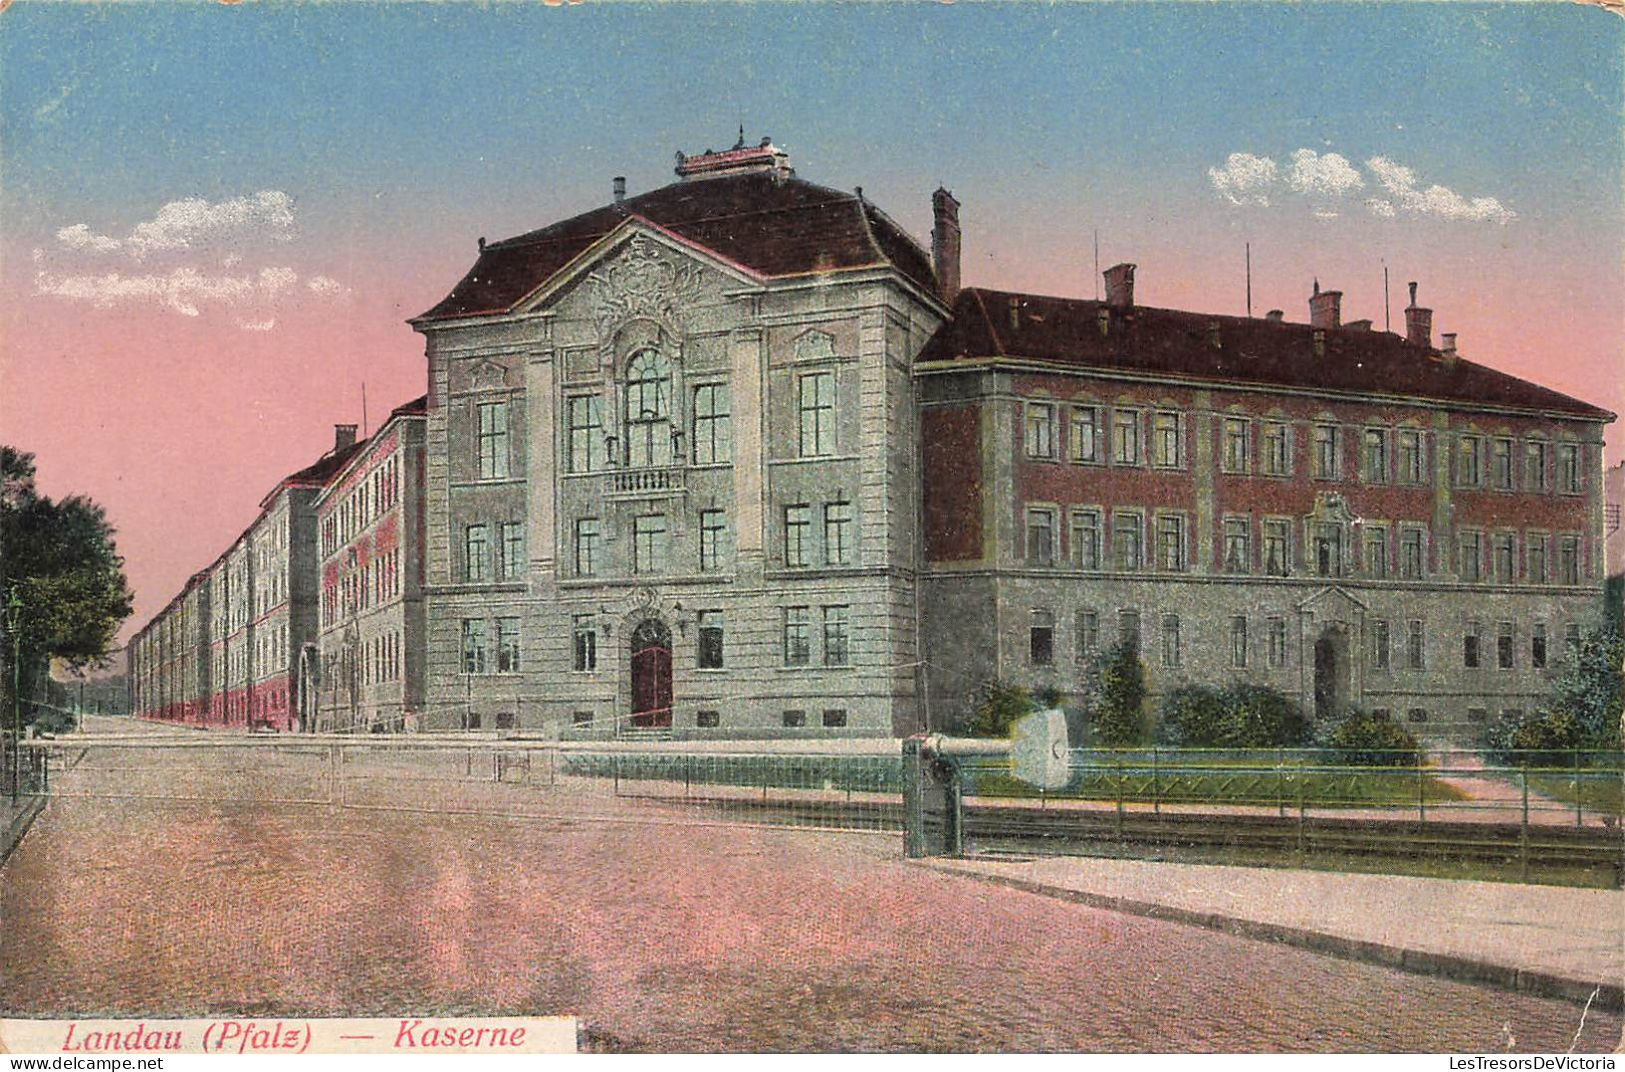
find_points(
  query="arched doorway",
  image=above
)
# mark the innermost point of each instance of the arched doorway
(651, 675)
(1331, 675)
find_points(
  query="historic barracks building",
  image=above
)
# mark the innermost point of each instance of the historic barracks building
(737, 457)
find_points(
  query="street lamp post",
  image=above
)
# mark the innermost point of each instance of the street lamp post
(14, 613)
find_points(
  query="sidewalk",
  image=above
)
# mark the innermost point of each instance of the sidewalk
(1548, 940)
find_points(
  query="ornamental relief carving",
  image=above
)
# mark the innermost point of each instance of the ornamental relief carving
(643, 283)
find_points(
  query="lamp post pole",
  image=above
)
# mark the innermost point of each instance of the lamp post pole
(14, 610)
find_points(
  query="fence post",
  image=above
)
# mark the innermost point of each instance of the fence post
(1280, 783)
(615, 767)
(1156, 784)
(1118, 756)
(335, 777)
(688, 774)
(1523, 829)
(1421, 792)
(1579, 796)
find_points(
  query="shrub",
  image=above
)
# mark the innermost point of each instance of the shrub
(53, 721)
(998, 706)
(1543, 739)
(1364, 740)
(1240, 715)
(1194, 716)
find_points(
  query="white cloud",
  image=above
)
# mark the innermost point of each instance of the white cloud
(183, 290)
(193, 221)
(1244, 179)
(324, 285)
(1382, 208)
(1330, 174)
(1441, 201)
(256, 325)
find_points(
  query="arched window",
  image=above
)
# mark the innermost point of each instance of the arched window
(648, 409)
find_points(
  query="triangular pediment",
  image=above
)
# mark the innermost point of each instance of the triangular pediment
(1332, 598)
(639, 266)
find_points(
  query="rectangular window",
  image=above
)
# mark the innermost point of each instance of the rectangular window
(588, 451)
(1238, 549)
(1470, 556)
(1374, 456)
(1503, 645)
(507, 645)
(707, 720)
(797, 535)
(476, 553)
(1568, 468)
(513, 550)
(1040, 537)
(1328, 548)
(1534, 465)
(1277, 643)
(1126, 437)
(1537, 647)
(837, 533)
(587, 547)
(1088, 633)
(1469, 449)
(834, 718)
(1083, 436)
(713, 539)
(1376, 551)
(795, 719)
(1238, 642)
(1165, 440)
(1413, 644)
(713, 432)
(710, 630)
(1504, 557)
(1170, 640)
(473, 646)
(1571, 641)
(1568, 560)
(1410, 553)
(1326, 454)
(1085, 538)
(1128, 629)
(837, 636)
(649, 543)
(1171, 542)
(1379, 645)
(1501, 464)
(585, 636)
(816, 407)
(1535, 548)
(1469, 646)
(1041, 638)
(797, 636)
(1040, 430)
(1277, 547)
(1277, 448)
(1411, 464)
(493, 440)
(1237, 454)
(1127, 538)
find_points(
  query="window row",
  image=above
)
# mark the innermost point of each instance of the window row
(362, 505)
(824, 638)
(1475, 652)
(493, 553)
(478, 655)
(651, 544)
(1089, 434)
(362, 585)
(829, 718)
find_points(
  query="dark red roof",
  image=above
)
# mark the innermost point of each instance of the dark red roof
(768, 224)
(1169, 342)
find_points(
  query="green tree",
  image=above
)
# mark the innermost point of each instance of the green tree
(62, 583)
(1115, 698)
(1589, 688)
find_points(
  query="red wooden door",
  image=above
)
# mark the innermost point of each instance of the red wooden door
(651, 679)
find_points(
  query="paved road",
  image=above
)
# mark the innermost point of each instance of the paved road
(666, 937)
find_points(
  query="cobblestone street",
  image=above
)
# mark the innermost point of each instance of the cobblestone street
(667, 936)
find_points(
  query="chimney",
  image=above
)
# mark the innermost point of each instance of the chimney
(343, 436)
(945, 243)
(1325, 308)
(1120, 286)
(618, 185)
(1418, 322)
(1447, 345)
(1275, 316)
